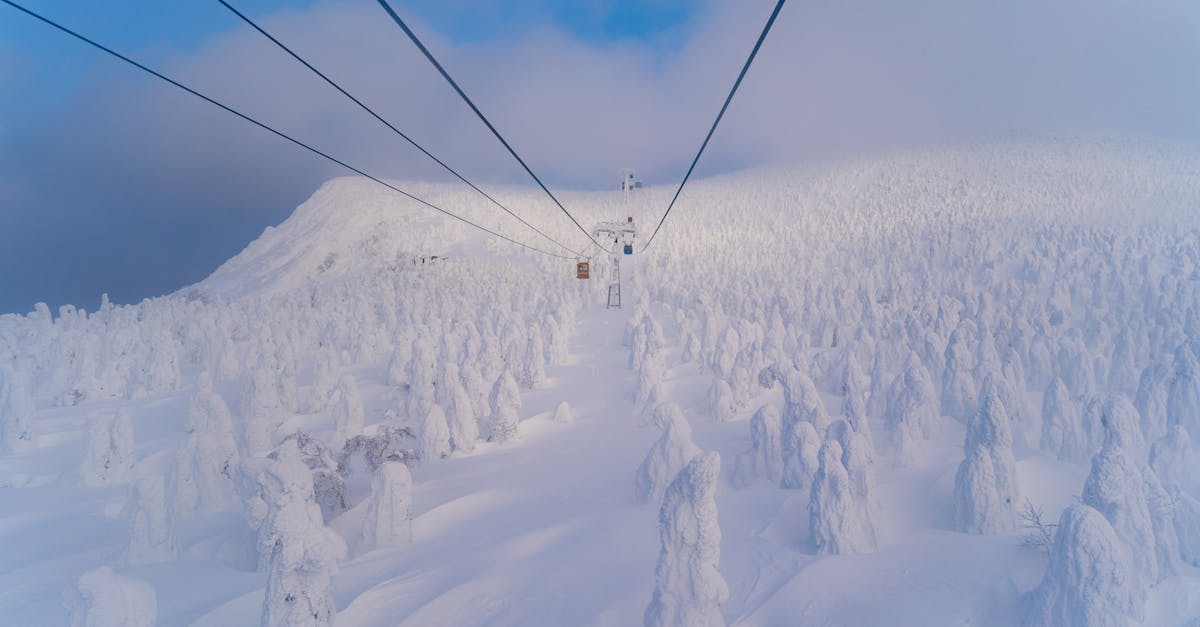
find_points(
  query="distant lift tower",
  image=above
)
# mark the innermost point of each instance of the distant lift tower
(620, 234)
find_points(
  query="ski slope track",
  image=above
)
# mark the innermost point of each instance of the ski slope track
(956, 386)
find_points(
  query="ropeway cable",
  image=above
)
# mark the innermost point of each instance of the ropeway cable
(411, 35)
(736, 84)
(265, 127)
(393, 128)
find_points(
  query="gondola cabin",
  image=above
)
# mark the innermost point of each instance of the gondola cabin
(582, 270)
(629, 249)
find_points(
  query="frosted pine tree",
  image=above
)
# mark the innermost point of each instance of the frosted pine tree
(302, 554)
(505, 401)
(985, 486)
(152, 524)
(1062, 433)
(389, 509)
(689, 589)
(838, 524)
(421, 378)
(1089, 581)
(765, 457)
(16, 412)
(205, 468)
(109, 457)
(670, 453)
(1151, 400)
(912, 412)
(464, 428)
(325, 378)
(348, 412)
(1183, 396)
(435, 434)
(801, 456)
(959, 389)
(262, 414)
(1114, 488)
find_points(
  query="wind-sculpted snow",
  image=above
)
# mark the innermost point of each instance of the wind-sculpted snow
(467, 415)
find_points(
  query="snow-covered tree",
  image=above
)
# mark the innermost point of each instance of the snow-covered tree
(16, 412)
(912, 412)
(205, 467)
(262, 413)
(464, 428)
(103, 598)
(348, 412)
(801, 456)
(1114, 488)
(959, 389)
(985, 486)
(689, 589)
(505, 401)
(1062, 427)
(838, 524)
(1183, 396)
(302, 554)
(534, 372)
(435, 434)
(422, 373)
(720, 400)
(152, 524)
(670, 453)
(326, 370)
(765, 457)
(109, 457)
(1089, 581)
(389, 508)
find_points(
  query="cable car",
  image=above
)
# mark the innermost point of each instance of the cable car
(629, 249)
(582, 270)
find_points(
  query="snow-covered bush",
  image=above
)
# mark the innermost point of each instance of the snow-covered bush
(365, 453)
(562, 413)
(1090, 579)
(103, 598)
(109, 457)
(671, 452)
(389, 510)
(689, 589)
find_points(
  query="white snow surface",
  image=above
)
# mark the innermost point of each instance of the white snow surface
(1035, 255)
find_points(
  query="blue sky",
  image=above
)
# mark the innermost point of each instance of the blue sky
(111, 182)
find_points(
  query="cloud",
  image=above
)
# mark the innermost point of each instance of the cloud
(162, 172)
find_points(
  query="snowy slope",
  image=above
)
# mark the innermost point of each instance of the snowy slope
(1036, 254)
